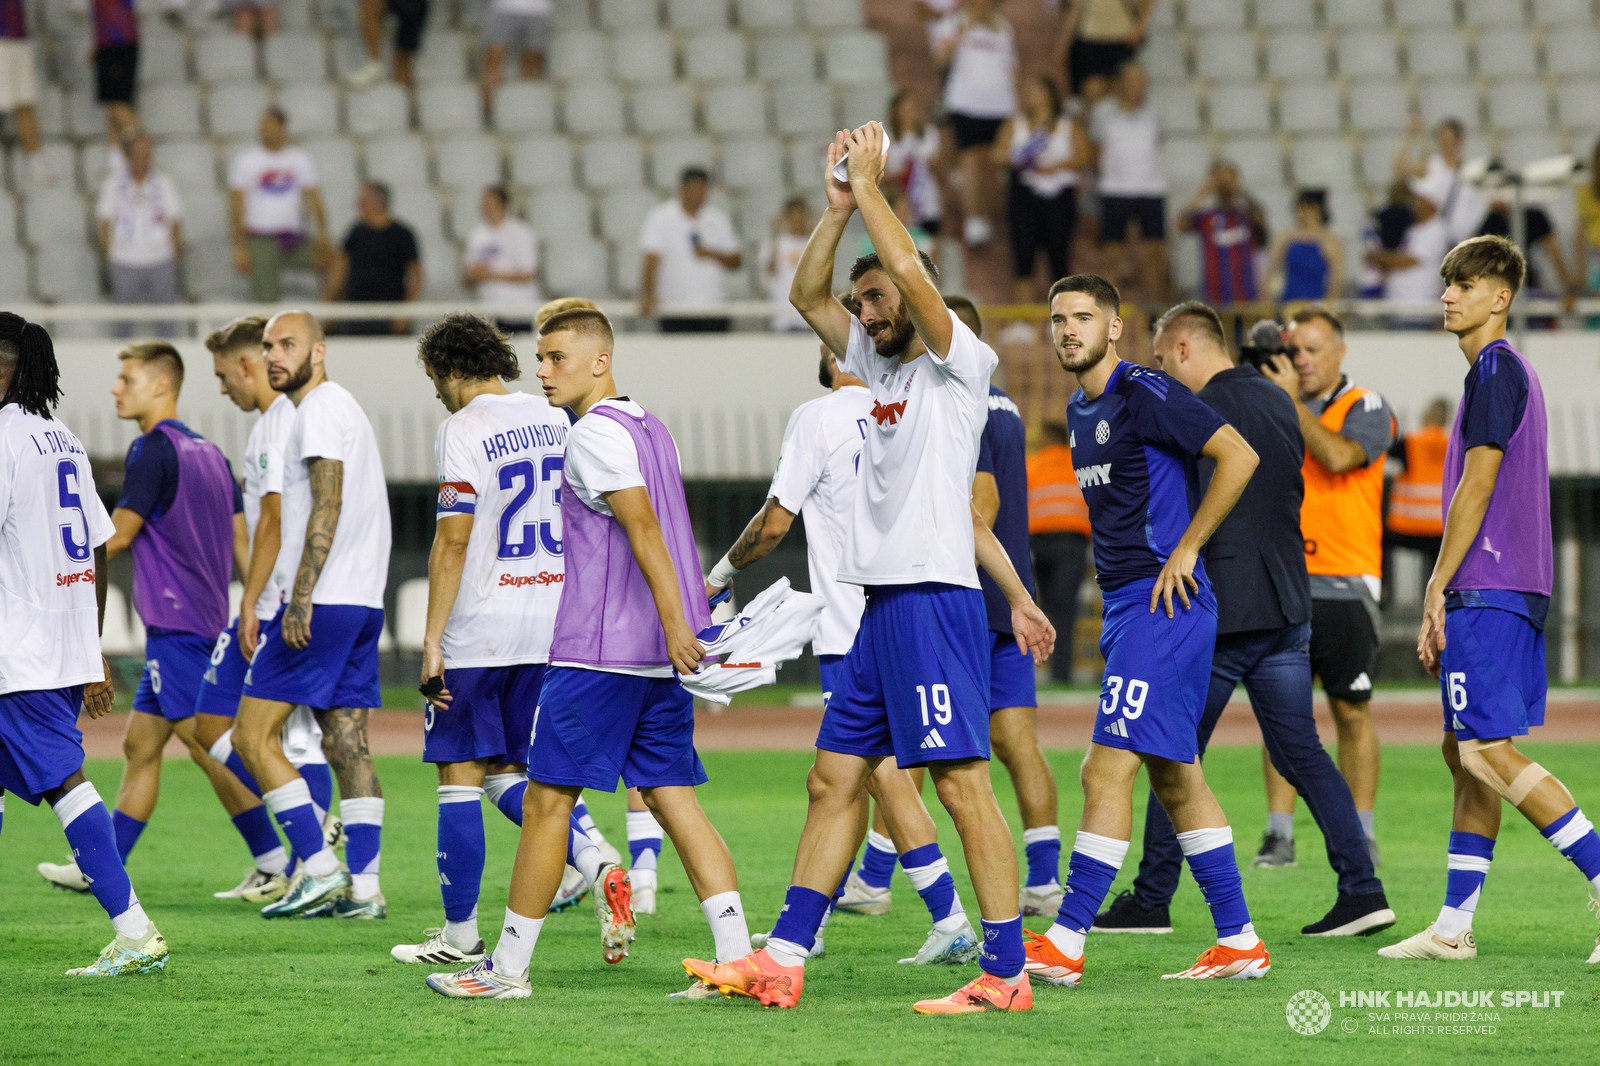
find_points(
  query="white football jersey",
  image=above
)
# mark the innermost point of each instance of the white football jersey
(263, 473)
(913, 507)
(330, 424)
(500, 460)
(816, 479)
(51, 521)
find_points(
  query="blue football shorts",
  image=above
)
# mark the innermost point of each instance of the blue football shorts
(1491, 674)
(490, 714)
(1011, 678)
(592, 727)
(223, 682)
(40, 745)
(1158, 670)
(174, 663)
(339, 668)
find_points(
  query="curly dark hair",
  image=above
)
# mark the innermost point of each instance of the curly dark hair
(468, 346)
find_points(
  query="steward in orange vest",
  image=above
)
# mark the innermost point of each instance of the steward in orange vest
(1058, 537)
(1416, 503)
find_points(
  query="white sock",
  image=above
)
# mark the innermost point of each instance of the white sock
(642, 880)
(1243, 940)
(643, 826)
(514, 950)
(1453, 921)
(586, 859)
(725, 913)
(1366, 824)
(132, 923)
(358, 812)
(784, 953)
(923, 876)
(273, 862)
(363, 886)
(586, 823)
(1281, 823)
(1068, 941)
(322, 864)
(879, 842)
(462, 935)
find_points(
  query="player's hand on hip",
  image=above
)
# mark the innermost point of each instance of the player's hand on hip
(249, 634)
(432, 667)
(1175, 577)
(839, 194)
(1033, 631)
(99, 696)
(866, 153)
(297, 624)
(684, 650)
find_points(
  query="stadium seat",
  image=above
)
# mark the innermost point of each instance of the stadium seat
(418, 207)
(752, 164)
(1165, 58)
(857, 57)
(295, 14)
(10, 233)
(58, 158)
(594, 110)
(541, 160)
(1417, 13)
(399, 159)
(295, 58)
(376, 111)
(575, 266)
(1286, 15)
(235, 110)
(461, 217)
(1296, 55)
(454, 107)
(190, 163)
(1455, 98)
(163, 59)
(1578, 103)
(67, 272)
(1259, 159)
(1347, 210)
(1226, 55)
(1164, 15)
(1186, 155)
(712, 56)
(1213, 14)
(1324, 161)
(1351, 14)
(768, 14)
(224, 58)
(312, 109)
(860, 104)
(786, 57)
(1574, 50)
(807, 157)
(170, 110)
(1508, 53)
(85, 117)
(1558, 12)
(1379, 105)
(612, 163)
(830, 14)
(1240, 109)
(205, 215)
(698, 14)
(67, 58)
(734, 110)
(1520, 149)
(50, 110)
(662, 109)
(525, 107)
(116, 638)
(670, 155)
(335, 160)
(622, 213)
(1493, 12)
(1365, 54)
(443, 58)
(1377, 161)
(569, 15)
(14, 275)
(1519, 105)
(1178, 105)
(643, 56)
(411, 614)
(1437, 53)
(578, 56)
(1309, 107)
(621, 15)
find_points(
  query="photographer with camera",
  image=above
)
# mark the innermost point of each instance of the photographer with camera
(1257, 567)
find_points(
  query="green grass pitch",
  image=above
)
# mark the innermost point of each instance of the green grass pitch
(240, 989)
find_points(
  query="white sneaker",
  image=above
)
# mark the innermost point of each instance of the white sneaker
(573, 888)
(976, 230)
(818, 949)
(258, 886)
(1430, 945)
(861, 898)
(947, 948)
(480, 982)
(1041, 899)
(369, 74)
(125, 956)
(644, 891)
(1594, 956)
(437, 949)
(64, 875)
(609, 853)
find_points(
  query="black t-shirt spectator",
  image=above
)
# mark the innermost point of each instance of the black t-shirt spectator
(378, 262)
(1536, 227)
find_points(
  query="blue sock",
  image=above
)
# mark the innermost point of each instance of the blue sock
(1211, 860)
(236, 764)
(929, 871)
(127, 830)
(1573, 835)
(363, 827)
(255, 825)
(291, 805)
(319, 779)
(644, 840)
(94, 847)
(1043, 847)
(1001, 951)
(505, 791)
(1091, 868)
(801, 917)
(1468, 862)
(877, 864)
(461, 849)
(833, 902)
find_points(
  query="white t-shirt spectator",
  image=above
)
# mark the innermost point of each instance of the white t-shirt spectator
(1427, 242)
(782, 255)
(910, 164)
(982, 79)
(683, 279)
(141, 214)
(523, 7)
(1128, 141)
(272, 183)
(1459, 203)
(509, 248)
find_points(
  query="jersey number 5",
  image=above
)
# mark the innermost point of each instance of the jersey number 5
(67, 481)
(530, 536)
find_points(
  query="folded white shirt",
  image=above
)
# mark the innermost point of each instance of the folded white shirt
(773, 629)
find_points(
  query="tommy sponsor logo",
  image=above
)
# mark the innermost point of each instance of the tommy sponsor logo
(933, 740)
(1117, 728)
(1093, 474)
(890, 412)
(543, 577)
(74, 578)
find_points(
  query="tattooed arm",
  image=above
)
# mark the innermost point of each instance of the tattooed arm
(327, 494)
(765, 531)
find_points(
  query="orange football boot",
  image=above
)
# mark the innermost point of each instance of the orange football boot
(986, 993)
(1046, 962)
(756, 975)
(613, 905)
(1227, 962)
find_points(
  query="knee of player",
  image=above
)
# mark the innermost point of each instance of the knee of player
(1346, 713)
(542, 801)
(825, 787)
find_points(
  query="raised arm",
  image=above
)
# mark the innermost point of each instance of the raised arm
(1467, 507)
(1032, 629)
(896, 250)
(263, 557)
(327, 497)
(1236, 462)
(446, 559)
(632, 510)
(811, 293)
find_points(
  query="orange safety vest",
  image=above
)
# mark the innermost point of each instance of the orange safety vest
(1341, 519)
(1055, 502)
(1416, 502)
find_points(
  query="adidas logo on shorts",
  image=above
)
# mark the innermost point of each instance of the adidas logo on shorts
(932, 740)
(1117, 728)
(1362, 683)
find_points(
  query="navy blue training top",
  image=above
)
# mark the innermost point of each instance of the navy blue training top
(150, 474)
(1003, 452)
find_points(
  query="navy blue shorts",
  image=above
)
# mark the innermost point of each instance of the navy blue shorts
(339, 668)
(223, 682)
(916, 681)
(1491, 674)
(490, 714)
(592, 727)
(40, 746)
(173, 665)
(1011, 680)
(832, 668)
(1158, 670)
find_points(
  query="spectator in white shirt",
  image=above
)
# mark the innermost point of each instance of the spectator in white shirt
(1438, 177)
(913, 164)
(1411, 272)
(502, 258)
(980, 92)
(688, 246)
(268, 184)
(780, 259)
(141, 232)
(519, 25)
(1133, 208)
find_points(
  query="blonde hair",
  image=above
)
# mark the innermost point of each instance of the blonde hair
(160, 355)
(561, 306)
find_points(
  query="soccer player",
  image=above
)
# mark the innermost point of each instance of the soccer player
(241, 369)
(321, 648)
(1143, 433)
(631, 604)
(816, 479)
(182, 516)
(53, 530)
(916, 681)
(1483, 617)
(493, 587)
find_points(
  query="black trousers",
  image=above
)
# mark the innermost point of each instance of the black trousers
(1059, 562)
